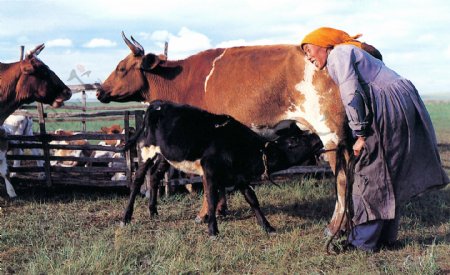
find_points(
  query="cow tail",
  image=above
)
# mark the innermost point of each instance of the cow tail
(348, 168)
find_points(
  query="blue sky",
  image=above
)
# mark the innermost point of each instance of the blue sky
(413, 36)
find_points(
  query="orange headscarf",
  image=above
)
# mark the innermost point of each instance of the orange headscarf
(329, 37)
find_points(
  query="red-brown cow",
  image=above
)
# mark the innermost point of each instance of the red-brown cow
(257, 85)
(25, 82)
(28, 81)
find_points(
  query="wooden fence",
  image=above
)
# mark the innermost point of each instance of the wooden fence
(91, 175)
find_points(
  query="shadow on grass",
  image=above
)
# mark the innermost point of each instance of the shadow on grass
(61, 194)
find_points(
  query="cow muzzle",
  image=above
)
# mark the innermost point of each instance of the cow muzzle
(101, 96)
(59, 101)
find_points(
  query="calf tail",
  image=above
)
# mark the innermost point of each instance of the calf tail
(133, 140)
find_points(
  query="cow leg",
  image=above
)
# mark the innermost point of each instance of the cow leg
(134, 189)
(251, 199)
(9, 188)
(156, 175)
(338, 220)
(4, 173)
(221, 206)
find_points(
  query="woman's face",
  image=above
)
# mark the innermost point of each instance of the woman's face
(316, 55)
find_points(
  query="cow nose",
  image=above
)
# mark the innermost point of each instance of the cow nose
(99, 92)
(67, 93)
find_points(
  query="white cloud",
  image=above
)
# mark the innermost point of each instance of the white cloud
(447, 52)
(100, 43)
(60, 42)
(186, 42)
(160, 35)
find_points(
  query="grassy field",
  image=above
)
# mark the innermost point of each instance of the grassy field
(75, 231)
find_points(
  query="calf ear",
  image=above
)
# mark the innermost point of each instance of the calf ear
(292, 129)
(150, 61)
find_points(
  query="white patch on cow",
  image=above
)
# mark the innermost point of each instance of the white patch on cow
(21, 125)
(191, 167)
(4, 173)
(148, 152)
(3, 163)
(311, 108)
(212, 69)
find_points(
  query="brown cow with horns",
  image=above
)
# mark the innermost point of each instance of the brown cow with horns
(21, 83)
(257, 85)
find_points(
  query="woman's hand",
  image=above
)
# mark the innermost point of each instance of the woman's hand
(359, 145)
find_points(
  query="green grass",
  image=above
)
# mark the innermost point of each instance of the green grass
(77, 232)
(64, 230)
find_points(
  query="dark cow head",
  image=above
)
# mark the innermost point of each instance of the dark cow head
(38, 83)
(128, 82)
(298, 146)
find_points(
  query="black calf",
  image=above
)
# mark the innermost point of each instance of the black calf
(218, 147)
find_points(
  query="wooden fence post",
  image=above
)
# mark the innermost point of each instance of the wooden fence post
(83, 101)
(45, 149)
(126, 124)
(166, 49)
(22, 50)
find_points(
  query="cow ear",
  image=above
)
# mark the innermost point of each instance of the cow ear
(149, 62)
(27, 67)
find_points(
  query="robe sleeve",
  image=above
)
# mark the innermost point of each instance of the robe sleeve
(341, 66)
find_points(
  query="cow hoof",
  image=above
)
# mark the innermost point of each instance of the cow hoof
(199, 219)
(270, 230)
(222, 213)
(153, 214)
(213, 237)
(327, 232)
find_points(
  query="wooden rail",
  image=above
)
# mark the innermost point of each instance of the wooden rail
(83, 175)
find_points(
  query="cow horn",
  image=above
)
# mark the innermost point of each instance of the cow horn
(134, 49)
(35, 51)
(138, 45)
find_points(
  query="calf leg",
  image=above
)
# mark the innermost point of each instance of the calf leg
(211, 196)
(134, 189)
(251, 198)
(156, 174)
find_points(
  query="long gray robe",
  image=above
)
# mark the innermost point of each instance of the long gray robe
(400, 158)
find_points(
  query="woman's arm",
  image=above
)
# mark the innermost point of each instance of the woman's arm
(341, 65)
